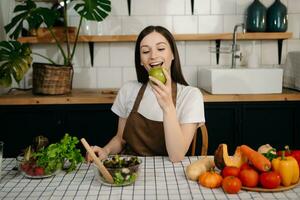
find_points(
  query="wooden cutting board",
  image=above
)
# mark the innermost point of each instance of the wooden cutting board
(279, 189)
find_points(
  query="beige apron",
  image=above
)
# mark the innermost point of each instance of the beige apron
(143, 136)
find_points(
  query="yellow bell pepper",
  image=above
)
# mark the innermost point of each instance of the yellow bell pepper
(288, 169)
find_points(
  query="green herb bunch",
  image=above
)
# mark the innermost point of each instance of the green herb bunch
(54, 156)
(271, 154)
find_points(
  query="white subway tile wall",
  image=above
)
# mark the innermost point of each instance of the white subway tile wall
(85, 78)
(114, 62)
(223, 7)
(210, 24)
(129, 74)
(185, 24)
(109, 77)
(200, 7)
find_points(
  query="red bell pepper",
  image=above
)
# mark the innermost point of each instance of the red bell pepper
(296, 155)
(288, 152)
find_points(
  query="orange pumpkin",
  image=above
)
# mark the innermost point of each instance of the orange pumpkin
(210, 179)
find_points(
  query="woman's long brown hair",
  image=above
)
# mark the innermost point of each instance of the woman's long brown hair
(141, 72)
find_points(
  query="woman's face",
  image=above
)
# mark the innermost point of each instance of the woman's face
(155, 50)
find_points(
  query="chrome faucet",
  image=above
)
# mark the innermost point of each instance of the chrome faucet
(234, 45)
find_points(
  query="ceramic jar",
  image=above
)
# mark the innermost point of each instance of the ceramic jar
(256, 17)
(277, 18)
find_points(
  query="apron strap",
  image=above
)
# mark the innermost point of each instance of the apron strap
(139, 98)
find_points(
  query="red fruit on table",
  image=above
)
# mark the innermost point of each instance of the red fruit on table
(231, 184)
(286, 151)
(296, 155)
(270, 180)
(245, 166)
(249, 177)
(39, 171)
(25, 167)
(230, 171)
(30, 172)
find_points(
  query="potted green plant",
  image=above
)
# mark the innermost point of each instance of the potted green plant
(15, 57)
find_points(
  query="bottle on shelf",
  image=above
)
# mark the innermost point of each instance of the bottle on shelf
(256, 17)
(277, 18)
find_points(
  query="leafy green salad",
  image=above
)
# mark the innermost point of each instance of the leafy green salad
(124, 169)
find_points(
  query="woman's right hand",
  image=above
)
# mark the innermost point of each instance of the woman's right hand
(100, 152)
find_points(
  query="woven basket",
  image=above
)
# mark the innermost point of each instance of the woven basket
(52, 79)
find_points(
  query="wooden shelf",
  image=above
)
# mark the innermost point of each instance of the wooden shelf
(178, 37)
(107, 96)
(91, 39)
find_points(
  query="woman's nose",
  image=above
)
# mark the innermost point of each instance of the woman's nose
(154, 54)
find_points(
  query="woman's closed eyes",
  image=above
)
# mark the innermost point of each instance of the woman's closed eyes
(148, 51)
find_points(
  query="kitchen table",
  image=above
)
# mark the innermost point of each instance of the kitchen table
(159, 179)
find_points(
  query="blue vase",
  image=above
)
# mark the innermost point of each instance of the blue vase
(256, 17)
(277, 19)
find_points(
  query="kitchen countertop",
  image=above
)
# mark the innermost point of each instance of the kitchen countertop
(107, 96)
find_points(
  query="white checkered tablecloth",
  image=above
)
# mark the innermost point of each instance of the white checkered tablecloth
(159, 179)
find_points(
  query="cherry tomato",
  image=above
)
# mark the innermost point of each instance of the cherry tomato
(245, 166)
(270, 180)
(231, 184)
(230, 171)
(249, 177)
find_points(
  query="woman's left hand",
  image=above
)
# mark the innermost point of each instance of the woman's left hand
(163, 92)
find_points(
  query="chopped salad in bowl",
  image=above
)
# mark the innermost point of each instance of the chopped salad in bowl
(123, 168)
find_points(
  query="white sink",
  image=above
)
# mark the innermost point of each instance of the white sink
(241, 80)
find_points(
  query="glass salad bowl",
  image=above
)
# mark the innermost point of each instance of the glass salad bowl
(123, 168)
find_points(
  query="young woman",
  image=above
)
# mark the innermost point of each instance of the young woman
(155, 118)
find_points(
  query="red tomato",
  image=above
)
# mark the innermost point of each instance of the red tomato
(249, 177)
(39, 171)
(231, 184)
(245, 166)
(230, 171)
(270, 180)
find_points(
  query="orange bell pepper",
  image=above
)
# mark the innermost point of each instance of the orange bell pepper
(288, 169)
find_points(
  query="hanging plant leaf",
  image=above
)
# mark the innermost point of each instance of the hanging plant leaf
(15, 60)
(95, 10)
(33, 15)
(47, 15)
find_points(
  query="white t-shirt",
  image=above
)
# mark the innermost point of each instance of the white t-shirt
(189, 103)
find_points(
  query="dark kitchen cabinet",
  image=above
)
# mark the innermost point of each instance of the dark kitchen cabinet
(96, 123)
(221, 122)
(20, 124)
(233, 123)
(253, 123)
(268, 123)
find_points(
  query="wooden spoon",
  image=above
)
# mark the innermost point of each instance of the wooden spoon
(97, 161)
